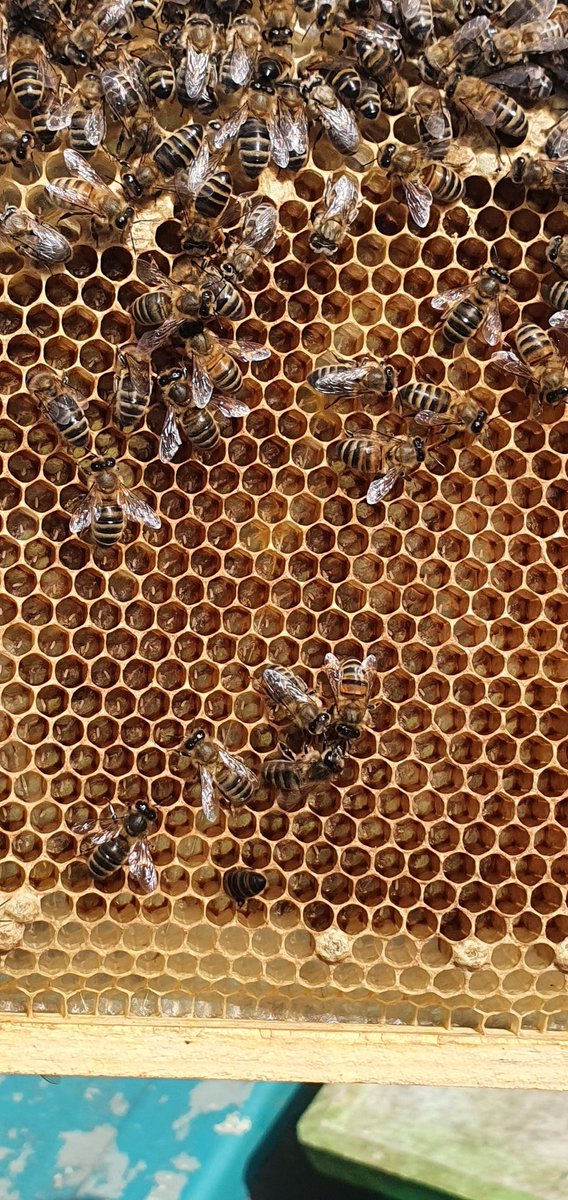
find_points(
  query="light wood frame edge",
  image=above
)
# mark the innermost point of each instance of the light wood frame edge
(194, 1049)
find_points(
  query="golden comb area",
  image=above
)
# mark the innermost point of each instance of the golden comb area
(442, 852)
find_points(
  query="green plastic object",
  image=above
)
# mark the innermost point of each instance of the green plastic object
(416, 1143)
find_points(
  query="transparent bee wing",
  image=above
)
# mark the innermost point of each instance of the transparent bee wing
(409, 8)
(83, 510)
(470, 32)
(95, 126)
(70, 198)
(149, 272)
(59, 409)
(196, 67)
(437, 122)
(154, 338)
(247, 351)
(139, 371)
(80, 167)
(431, 420)
(96, 839)
(241, 64)
(202, 386)
(84, 827)
(229, 129)
(294, 126)
(141, 866)
(380, 488)
(509, 362)
(341, 195)
(231, 407)
(189, 181)
(453, 296)
(559, 139)
(332, 668)
(260, 225)
(40, 242)
(61, 117)
(137, 509)
(209, 802)
(370, 664)
(339, 381)
(559, 320)
(240, 768)
(278, 145)
(109, 15)
(491, 328)
(560, 172)
(170, 440)
(341, 127)
(521, 13)
(419, 200)
(287, 691)
(379, 34)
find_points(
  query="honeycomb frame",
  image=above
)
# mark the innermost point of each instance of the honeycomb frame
(441, 852)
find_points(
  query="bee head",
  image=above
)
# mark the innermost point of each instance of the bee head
(26, 140)
(518, 171)
(102, 464)
(322, 15)
(190, 329)
(558, 396)
(125, 218)
(500, 276)
(387, 156)
(452, 85)
(389, 379)
(172, 376)
(131, 185)
(358, 8)
(479, 422)
(146, 810)
(347, 733)
(333, 758)
(318, 724)
(419, 449)
(554, 248)
(194, 740)
(80, 58)
(279, 37)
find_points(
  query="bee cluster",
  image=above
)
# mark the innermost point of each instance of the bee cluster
(183, 140)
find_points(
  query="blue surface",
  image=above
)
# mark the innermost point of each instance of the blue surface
(127, 1139)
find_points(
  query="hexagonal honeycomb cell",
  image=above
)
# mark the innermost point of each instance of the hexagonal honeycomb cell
(440, 856)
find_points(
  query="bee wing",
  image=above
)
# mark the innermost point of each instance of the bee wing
(380, 488)
(231, 407)
(57, 408)
(339, 381)
(419, 200)
(241, 64)
(509, 361)
(278, 144)
(149, 272)
(139, 371)
(560, 141)
(209, 802)
(515, 14)
(190, 180)
(437, 123)
(559, 320)
(108, 15)
(432, 420)
(141, 866)
(202, 386)
(82, 510)
(60, 118)
(343, 194)
(229, 129)
(240, 768)
(137, 509)
(491, 328)
(370, 665)
(380, 34)
(95, 126)
(70, 198)
(246, 351)
(332, 668)
(86, 826)
(196, 68)
(170, 440)
(154, 338)
(80, 167)
(96, 839)
(341, 126)
(284, 690)
(409, 8)
(294, 126)
(260, 225)
(469, 32)
(453, 296)
(41, 242)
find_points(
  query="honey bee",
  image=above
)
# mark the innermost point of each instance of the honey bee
(131, 386)
(257, 239)
(157, 71)
(418, 19)
(449, 15)
(330, 225)
(195, 421)
(220, 772)
(199, 42)
(323, 105)
(107, 503)
(15, 146)
(204, 190)
(241, 885)
(172, 154)
(280, 19)
(87, 193)
(433, 122)
(82, 114)
(507, 47)
(28, 71)
(347, 82)
(39, 242)
(288, 692)
(558, 298)
(423, 180)
(121, 841)
(124, 87)
(556, 145)
(474, 308)
(63, 405)
(387, 459)
(437, 406)
(378, 53)
(536, 171)
(259, 127)
(290, 774)
(213, 359)
(459, 51)
(487, 104)
(557, 254)
(91, 37)
(168, 307)
(351, 683)
(525, 82)
(367, 377)
(538, 361)
(237, 66)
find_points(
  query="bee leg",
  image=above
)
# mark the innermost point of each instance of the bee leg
(94, 231)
